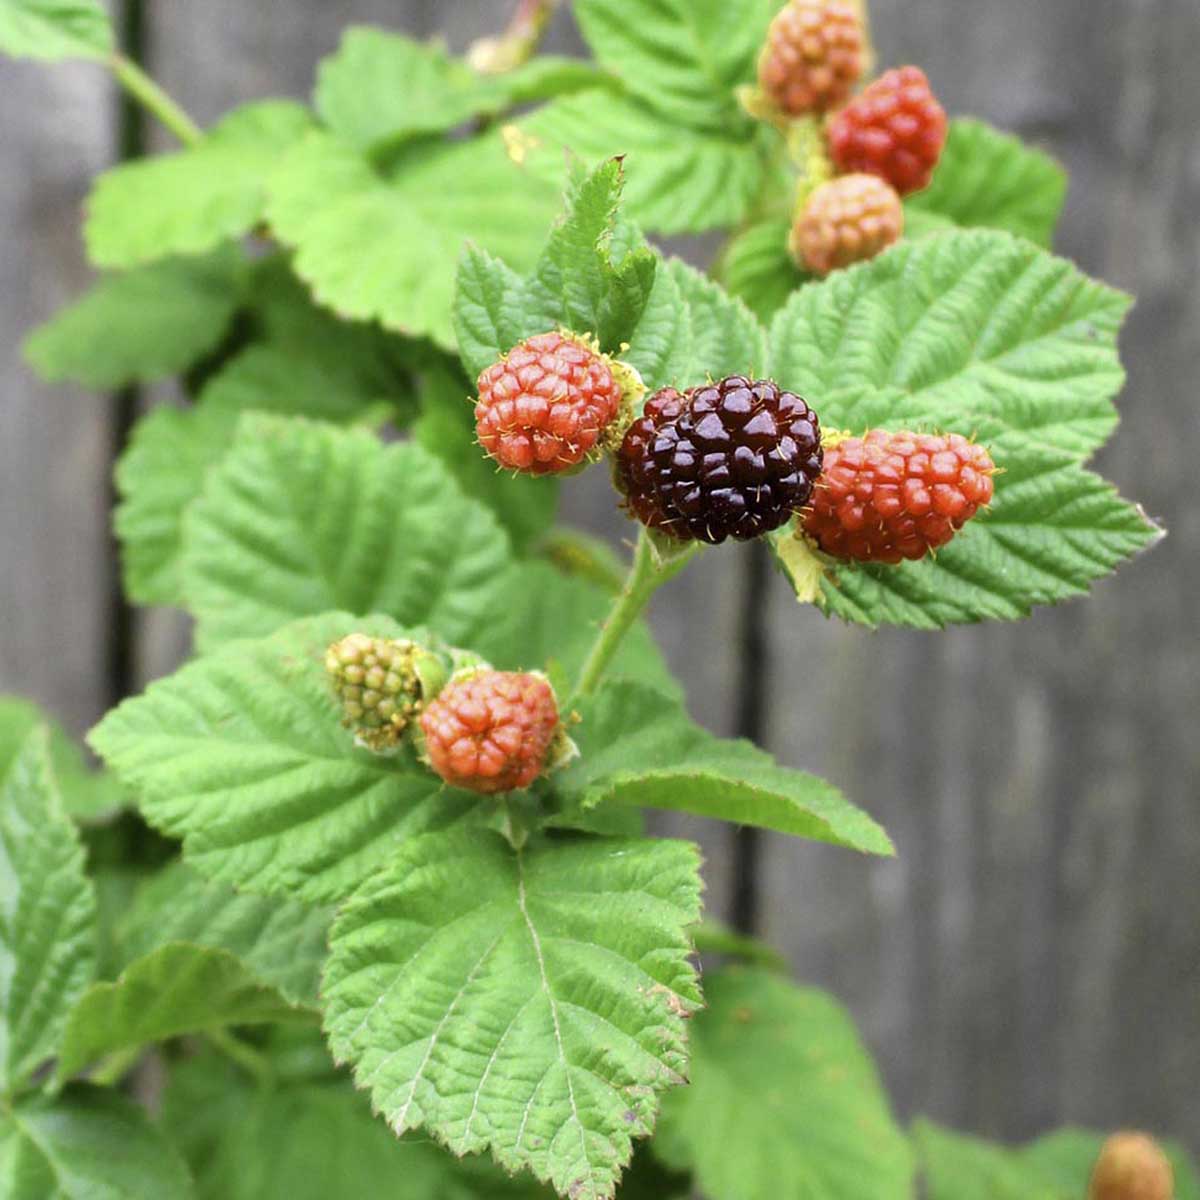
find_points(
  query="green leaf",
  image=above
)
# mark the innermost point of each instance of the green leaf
(1052, 530)
(991, 179)
(536, 1013)
(281, 941)
(47, 913)
(302, 518)
(1056, 1167)
(638, 747)
(87, 1144)
(191, 201)
(380, 88)
(678, 179)
(86, 794)
(176, 989)
(726, 336)
(969, 331)
(714, 937)
(376, 247)
(524, 506)
(682, 58)
(784, 1100)
(311, 1141)
(661, 347)
(55, 29)
(242, 755)
(140, 326)
(756, 267)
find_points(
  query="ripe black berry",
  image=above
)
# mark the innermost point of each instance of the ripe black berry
(730, 459)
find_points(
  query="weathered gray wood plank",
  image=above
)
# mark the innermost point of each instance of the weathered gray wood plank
(1031, 956)
(55, 133)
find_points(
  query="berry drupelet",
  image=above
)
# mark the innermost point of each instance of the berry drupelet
(543, 407)
(736, 458)
(891, 496)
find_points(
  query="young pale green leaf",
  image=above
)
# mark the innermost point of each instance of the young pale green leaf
(525, 507)
(381, 248)
(1053, 529)
(784, 1100)
(170, 452)
(638, 747)
(678, 179)
(241, 754)
(55, 29)
(86, 795)
(756, 267)
(1056, 1167)
(89, 1143)
(681, 58)
(302, 518)
(47, 913)
(380, 88)
(991, 179)
(176, 989)
(311, 1141)
(537, 1013)
(191, 201)
(726, 336)
(972, 331)
(143, 325)
(281, 941)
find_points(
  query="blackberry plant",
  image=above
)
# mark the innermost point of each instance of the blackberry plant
(362, 901)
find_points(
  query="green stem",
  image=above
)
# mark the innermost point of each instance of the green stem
(239, 1052)
(147, 93)
(646, 576)
(114, 1067)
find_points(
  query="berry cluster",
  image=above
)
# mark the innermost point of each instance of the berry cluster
(891, 496)
(732, 459)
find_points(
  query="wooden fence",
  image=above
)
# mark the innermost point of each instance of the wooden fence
(1033, 954)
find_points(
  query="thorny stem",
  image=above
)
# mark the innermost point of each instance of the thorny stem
(647, 574)
(518, 43)
(147, 93)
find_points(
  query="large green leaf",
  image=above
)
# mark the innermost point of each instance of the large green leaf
(679, 179)
(974, 331)
(1052, 530)
(55, 29)
(140, 326)
(726, 338)
(176, 989)
(381, 87)
(191, 201)
(381, 247)
(85, 794)
(1056, 1167)
(311, 1140)
(756, 266)
(280, 940)
(47, 912)
(991, 179)
(784, 1100)
(683, 58)
(301, 518)
(242, 755)
(88, 1144)
(638, 747)
(537, 1012)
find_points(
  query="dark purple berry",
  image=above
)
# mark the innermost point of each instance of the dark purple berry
(734, 458)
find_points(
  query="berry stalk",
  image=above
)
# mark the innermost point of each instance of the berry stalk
(647, 574)
(147, 93)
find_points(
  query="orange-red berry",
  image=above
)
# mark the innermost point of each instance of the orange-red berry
(543, 407)
(896, 129)
(891, 496)
(845, 221)
(813, 56)
(1132, 1166)
(491, 731)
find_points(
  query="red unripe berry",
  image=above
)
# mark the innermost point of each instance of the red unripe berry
(896, 129)
(891, 496)
(847, 220)
(490, 732)
(544, 405)
(813, 56)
